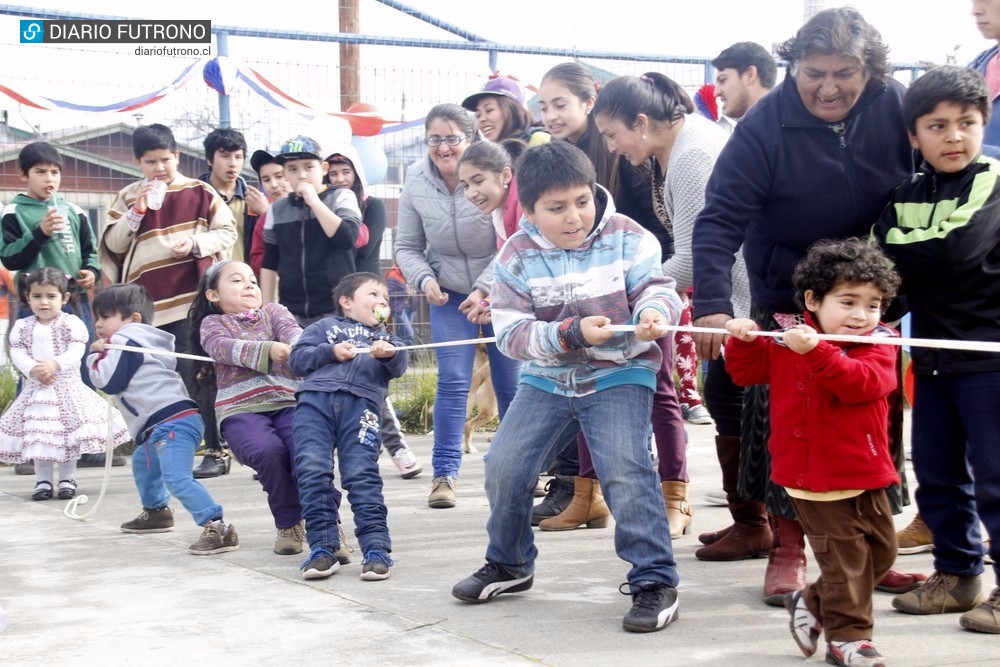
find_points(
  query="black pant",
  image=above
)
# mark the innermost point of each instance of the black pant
(723, 398)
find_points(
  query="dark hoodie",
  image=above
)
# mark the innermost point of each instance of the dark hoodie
(365, 376)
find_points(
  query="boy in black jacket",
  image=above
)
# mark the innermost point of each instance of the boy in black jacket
(309, 236)
(942, 228)
(339, 407)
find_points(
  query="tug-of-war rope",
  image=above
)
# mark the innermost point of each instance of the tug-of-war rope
(940, 344)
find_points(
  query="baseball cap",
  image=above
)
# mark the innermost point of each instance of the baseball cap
(298, 148)
(259, 159)
(501, 86)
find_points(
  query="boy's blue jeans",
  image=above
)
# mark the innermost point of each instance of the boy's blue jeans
(956, 459)
(325, 421)
(162, 467)
(455, 376)
(614, 422)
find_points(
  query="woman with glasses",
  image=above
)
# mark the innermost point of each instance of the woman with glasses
(445, 248)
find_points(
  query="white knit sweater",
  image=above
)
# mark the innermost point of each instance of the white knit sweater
(691, 161)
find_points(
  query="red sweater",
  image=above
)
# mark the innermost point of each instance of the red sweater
(829, 410)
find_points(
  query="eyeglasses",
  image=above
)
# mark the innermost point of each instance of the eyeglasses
(451, 140)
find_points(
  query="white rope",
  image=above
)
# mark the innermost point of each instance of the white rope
(147, 350)
(109, 450)
(447, 343)
(936, 343)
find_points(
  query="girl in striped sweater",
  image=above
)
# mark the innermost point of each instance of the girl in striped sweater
(250, 344)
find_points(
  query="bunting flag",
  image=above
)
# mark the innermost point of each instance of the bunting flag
(222, 75)
(279, 98)
(53, 104)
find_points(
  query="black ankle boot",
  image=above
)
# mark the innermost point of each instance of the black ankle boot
(558, 496)
(214, 464)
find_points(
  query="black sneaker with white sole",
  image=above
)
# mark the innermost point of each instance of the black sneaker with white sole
(654, 606)
(490, 581)
(321, 564)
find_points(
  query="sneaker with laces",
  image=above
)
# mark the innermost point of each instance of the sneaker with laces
(984, 617)
(696, 414)
(375, 565)
(289, 541)
(941, 594)
(151, 521)
(558, 496)
(442, 492)
(860, 653)
(654, 606)
(915, 538)
(805, 627)
(717, 497)
(407, 463)
(344, 551)
(490, 581)
(320, 564)
(218, 537)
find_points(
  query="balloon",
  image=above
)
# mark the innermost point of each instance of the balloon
(329, 131)
(367, 125)
(220, 74)
(373, 159)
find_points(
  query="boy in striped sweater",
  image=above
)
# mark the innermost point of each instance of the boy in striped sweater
(163, 232)
(575, 267)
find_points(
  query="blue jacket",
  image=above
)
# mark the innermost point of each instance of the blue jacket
(787, 179)
(365, 376)
(991, 136)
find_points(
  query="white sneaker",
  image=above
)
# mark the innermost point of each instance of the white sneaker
(717, 498)
(697, 414)
(407, 463)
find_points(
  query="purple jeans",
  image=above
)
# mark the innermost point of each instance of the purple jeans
(668, 424)
(263, 441)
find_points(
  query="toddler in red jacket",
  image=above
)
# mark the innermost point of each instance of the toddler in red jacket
(829, 442)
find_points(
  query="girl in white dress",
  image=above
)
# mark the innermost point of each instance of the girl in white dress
(56, 417)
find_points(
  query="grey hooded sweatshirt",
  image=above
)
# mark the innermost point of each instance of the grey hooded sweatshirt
(148, 387)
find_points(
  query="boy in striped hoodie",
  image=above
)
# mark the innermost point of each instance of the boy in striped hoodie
(576, 267)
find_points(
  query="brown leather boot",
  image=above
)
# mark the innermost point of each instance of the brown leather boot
(727, 448)
(750, 535)
(714, 536)
(786, 564)
(587, 508)
(679, 512)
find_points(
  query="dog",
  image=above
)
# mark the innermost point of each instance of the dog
(481, 397)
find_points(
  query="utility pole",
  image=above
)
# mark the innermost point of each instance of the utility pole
(350, 55)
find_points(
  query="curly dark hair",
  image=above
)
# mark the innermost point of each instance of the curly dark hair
(843, 31)
(831, 262)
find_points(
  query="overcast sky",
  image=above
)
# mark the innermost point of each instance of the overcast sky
(916, 30)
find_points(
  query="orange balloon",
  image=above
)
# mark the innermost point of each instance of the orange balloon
(368, 125)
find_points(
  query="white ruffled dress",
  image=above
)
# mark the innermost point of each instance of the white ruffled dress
(60, 421)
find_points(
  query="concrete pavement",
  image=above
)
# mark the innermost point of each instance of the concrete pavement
(84, 593)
